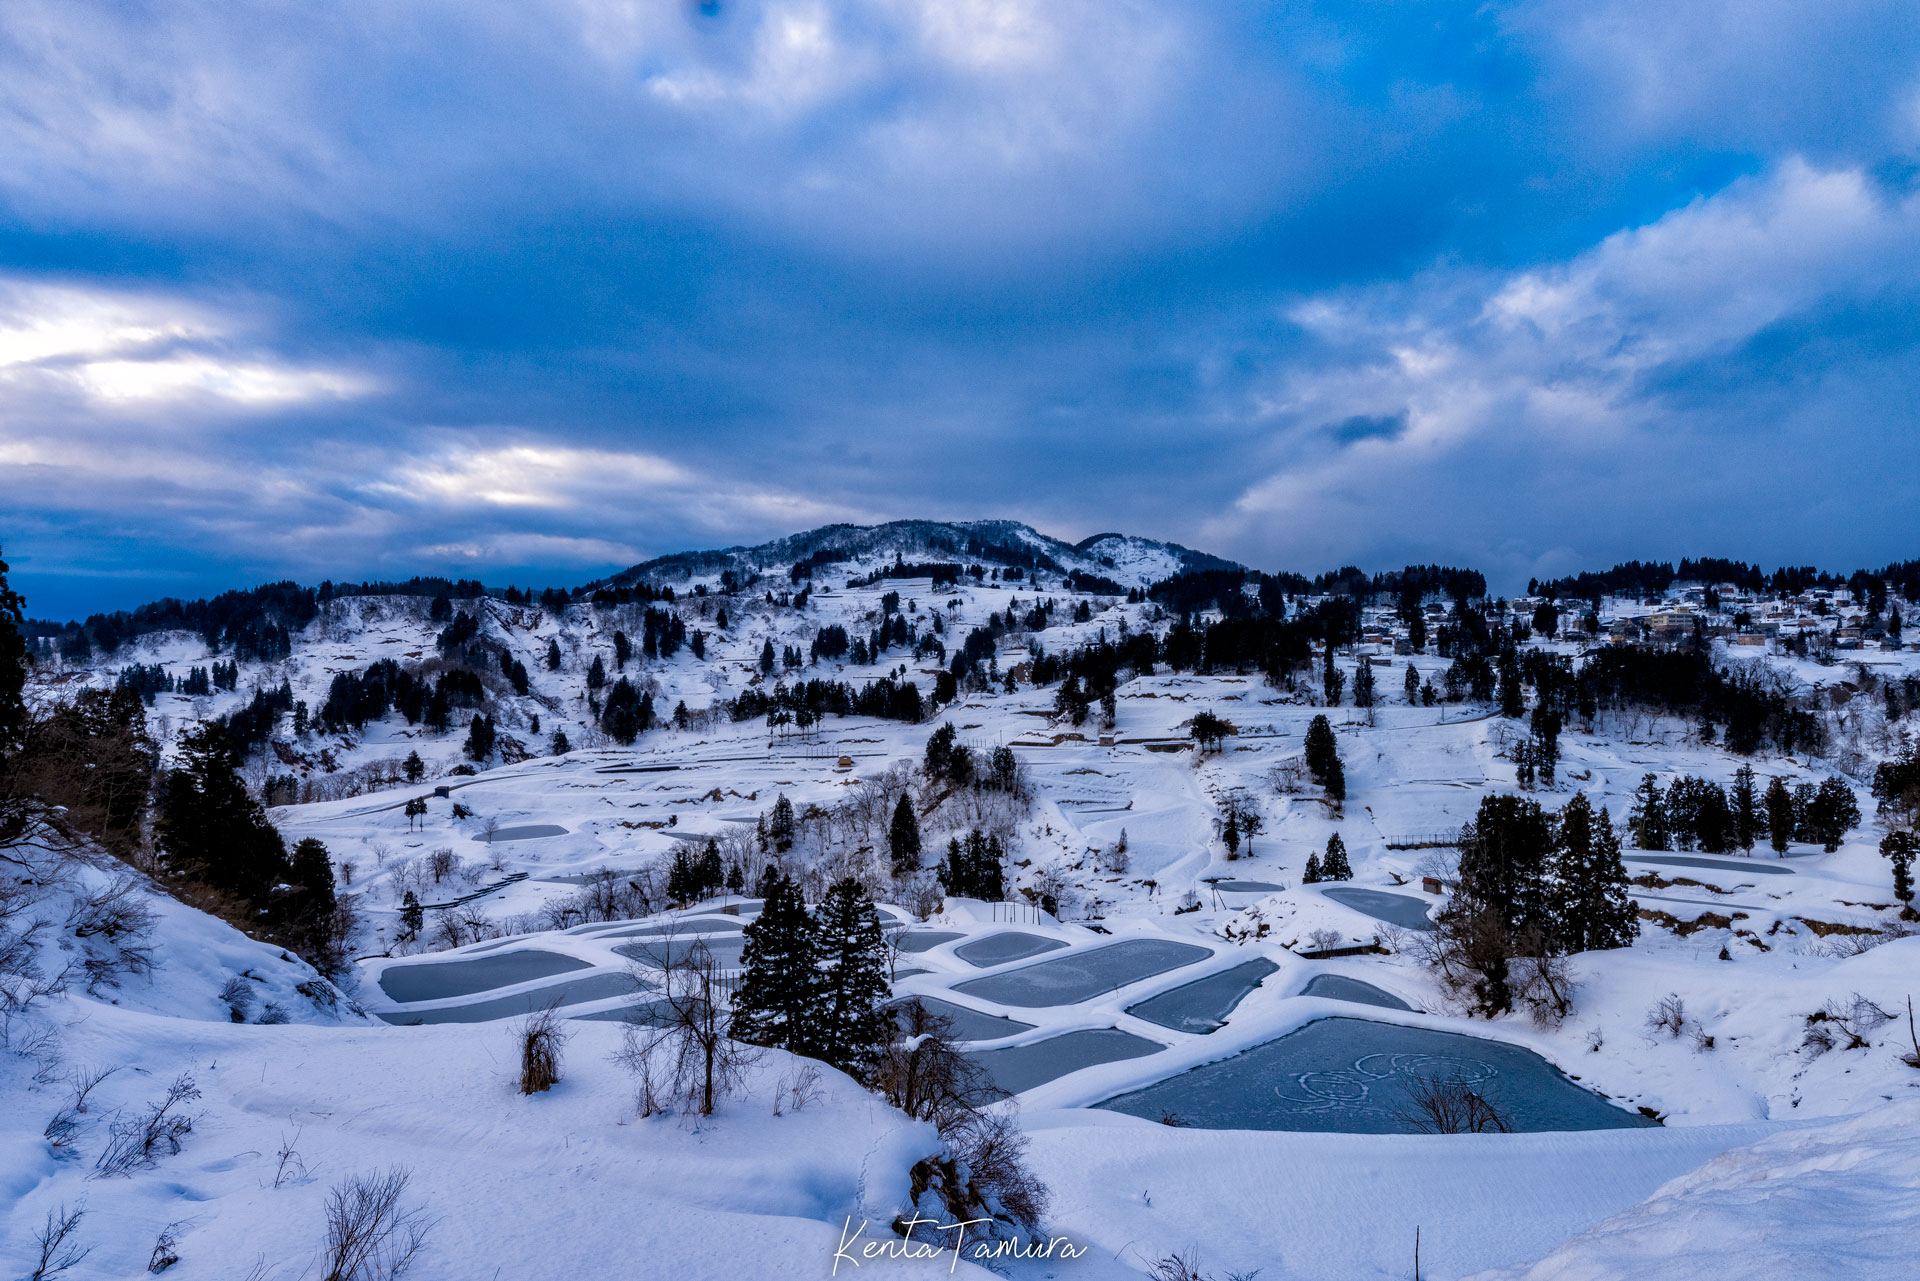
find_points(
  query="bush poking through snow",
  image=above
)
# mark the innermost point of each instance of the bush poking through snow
(1668, 1015)
(1449, 1105)
(139, 1143)
(166, 1248)
(1855, 1020)
(541, 1038)
(238, 996)
(58, 1250)
(371, 1236)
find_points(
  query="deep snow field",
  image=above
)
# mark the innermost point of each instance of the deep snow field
(1770, 1160)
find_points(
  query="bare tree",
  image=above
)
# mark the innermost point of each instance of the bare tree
(371, 1236)
(924, 1074)
(687, 1028)
(1449, 1105)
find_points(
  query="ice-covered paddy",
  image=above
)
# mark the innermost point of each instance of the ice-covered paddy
(526, 832)
(1203, 1005)
(1718, 864)
(1081, 976)
(1351, 1076)
(1338, 987)
(927, 940)
(592, 987)
(442, 980)
(972, 1025)
(1011, 945)
(1021, 1067)
(1395, 909)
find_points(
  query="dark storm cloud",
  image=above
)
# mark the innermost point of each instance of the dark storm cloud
(532, 290)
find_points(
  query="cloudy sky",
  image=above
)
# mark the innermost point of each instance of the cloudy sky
(532, 289)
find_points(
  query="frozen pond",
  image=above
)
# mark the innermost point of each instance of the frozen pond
(594, 987)
(726, 951)
(998, 949)
(1203, 1005)
(1718, 864)
(1395, 909)
(971, 1025)
(648, 1013)
(1338, 987)
(927, 940)
(1248, 887)
(529, 832)
(1021, 1067)
(438, 980)
(686, 926)
(1350, 1076)
(1082, 976)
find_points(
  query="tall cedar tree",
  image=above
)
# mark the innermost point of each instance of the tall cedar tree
(1334, 867)
(1313, 873)
(1363, 684)
(1745, 801)
(682, 886)
(851, 1023)
(1594, 911)
(1503, 862)
(777, 1002)
(211, 828)
(1647, 824)
(1323, 755)
(903, 837)
(1779, 805)
(780, 824)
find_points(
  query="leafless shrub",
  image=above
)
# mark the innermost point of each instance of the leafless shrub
(1325, 940)
(1669, 1015)
(166, 1251)
(540, 1038)
(798, 1087)
(289, 1166)
(441, 863)
(1545, 985)
(1186, 1267)
(238, 996)
(138, 1143)
(1702, 1040)
(371, 1236)
(992, 1147)
(682, 1054)
(459, 926)
(1449, 1105)
(274, 1014)
(64, 1127)
(58, 1251)
(1854, 1020)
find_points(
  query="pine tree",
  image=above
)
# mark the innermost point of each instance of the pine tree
(412, 917)
(777, 1002)
(1745, 802)
(553, 655)
(1594, 910)
(1230, 835)
(736, 879)
(1412, 685)
(1835, 811)
(1313, 874)
(989, 870)
(1335, 866)
(954, 875)
(711, 873)
(1322, 752)
(13, 669)
(1780, 816)
(560, 745)
(1899, 848)
(766, 658)
(1513, 699)
(1335, 782)
(480, 737)
(852, 1025)
(1647, 824)
(903, 837)
(1504, 857)
(780, 825)
(1363, 684)
(681, 880)
(413, 767)
(210, 827)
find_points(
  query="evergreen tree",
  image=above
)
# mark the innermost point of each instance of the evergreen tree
(1363, 684)
(852, 1025)
(413, 767)
(13, 673)
(1899, 848)
(711, 872)
(560, 745)
(622, 651)
(1321, 751)
(682, 883)
(767, 658)
(480, 735)
(1412, 685)
(1313, 874)
(777, 1002)
(1647, 824)
(1780, 816)
(1335, 782)
(780, 826)
(596, 674)
(1513, 699)
(903, 837)
(1230, 835)
(1745, 803)
(1335, 866)
(412, 917)
(1545, 723)
(1504, 857)
(311, 872)
(1594, 910)
(736, 879)
(553, 655)
(1835, 811)
(211, 828)
(1332, 679)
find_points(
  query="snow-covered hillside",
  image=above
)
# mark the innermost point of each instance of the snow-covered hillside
(1760, 1016)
